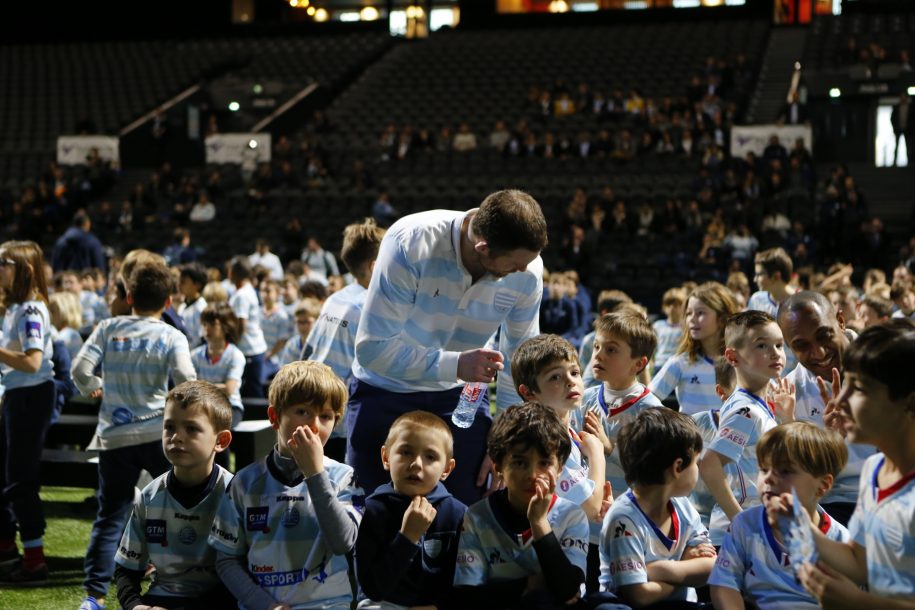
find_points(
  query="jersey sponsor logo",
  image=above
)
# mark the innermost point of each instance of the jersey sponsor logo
(291, 517)
(732, 436)
(127, 553)
(156, 532)
(256, 519)
(280, 579)
(187, 517)
(121, 416)
(187, 535)
(695, 380)
(574, 543)
(333, 320)
(290, 498)
(620, 531)
(227, 536)
(33, 330)
(744, 411)
(626, 565)
(495, 557)
(31, 310)
(466, 559)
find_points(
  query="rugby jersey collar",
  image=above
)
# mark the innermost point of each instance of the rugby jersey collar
(190, 496)
(508, 520)
(279, 467)
(626, 404)
(781, 553)
(668, 543)
(883, 494)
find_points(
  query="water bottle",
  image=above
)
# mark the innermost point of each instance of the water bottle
(466, 409)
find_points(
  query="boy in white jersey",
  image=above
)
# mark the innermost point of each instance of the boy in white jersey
(297, 347)
(669, 330)
(623, 343)
(522, 546)
(137, 354)
(277, 325)
(191, 280)
(251, 338)
(772, 273)
(754, 347)
(875, 405)
(173, 515)
(754, 561)
(654, 548)
(287, 522)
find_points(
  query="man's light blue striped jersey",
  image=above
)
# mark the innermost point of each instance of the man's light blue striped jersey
(137, 355)
(190, 315)
(613, 416)
(763, 301)
(277, 326)
(669, 336)
(884, 524)
(173, 537)
(629, 541)
(275, 528)
(246, 307)
(754, 563)
(333, 336)
(693, 382)
(490, 552)
(744, 418)
(422, 309)
(27, 326)
(231, 365)
(810, 407)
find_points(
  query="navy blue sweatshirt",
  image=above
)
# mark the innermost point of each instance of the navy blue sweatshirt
(390, 567)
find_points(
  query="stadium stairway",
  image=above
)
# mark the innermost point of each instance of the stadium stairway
(786, 46)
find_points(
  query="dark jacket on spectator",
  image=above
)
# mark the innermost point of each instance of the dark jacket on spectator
(77, 249)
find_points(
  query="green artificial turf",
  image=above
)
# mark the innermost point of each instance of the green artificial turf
(69, 512)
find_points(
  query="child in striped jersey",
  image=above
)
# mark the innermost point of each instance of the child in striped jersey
(219, 360)
(754, 561)
(297, 347)
(670, 329)
(277, 325)
(523, 546)
(755, 348)
(690, 372)
(875, 405)
(287, 522)
(173, 515)
(191, 280)
(137, 354)
(654, 548)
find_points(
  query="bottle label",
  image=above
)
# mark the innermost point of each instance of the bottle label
(472, 392)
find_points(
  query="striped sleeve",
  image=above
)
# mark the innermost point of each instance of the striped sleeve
(668, 378)
(522, 323)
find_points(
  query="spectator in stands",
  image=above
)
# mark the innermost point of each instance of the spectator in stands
(180, 251)
(203, 210)
(499, 136)
(794, 112)
(265, 258)
(319, 260)
(464, 140)
(384, 213)
(903, 126)
(78, 248)
(775, 150)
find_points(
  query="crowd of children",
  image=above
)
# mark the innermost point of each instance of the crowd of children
(786, 421)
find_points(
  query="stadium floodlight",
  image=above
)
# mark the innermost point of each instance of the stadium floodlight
(321, 15)
(910, 90)
(234, 106)
(835, 92)
(369, 13)
(252, 144)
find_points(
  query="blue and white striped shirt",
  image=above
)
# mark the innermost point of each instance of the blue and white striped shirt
(333, 336)
(669, 336)
(884, 524)
(27, 326)
(231, 365)
(423, 309)
(277, 326)
(693, 382)
(137, 354)
(246, 307)
(173, 537)
(190, 315)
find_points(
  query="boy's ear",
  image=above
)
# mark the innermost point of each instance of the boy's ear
(273, 416)
(720, 392)
(730, 354)
(222, 440)
(639, 365)
(129, 299)
(384, 458)
(825, 484)
(525, 392)
(448, 468)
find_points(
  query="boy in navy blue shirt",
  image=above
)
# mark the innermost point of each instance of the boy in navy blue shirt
(407, 544)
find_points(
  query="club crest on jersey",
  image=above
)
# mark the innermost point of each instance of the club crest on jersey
(256, 519)
(156, 532)
(187, 535)
(291, 517)
(432, 547)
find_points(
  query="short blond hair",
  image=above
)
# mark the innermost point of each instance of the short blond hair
(66, 306)
(422, 419)
(214, 292)
(813, 449)
(308, 383)
(308, 306)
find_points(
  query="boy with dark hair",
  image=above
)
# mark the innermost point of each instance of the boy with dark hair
(137, 353)
(287, 521)
(173, 515)
(755, 348)
(191, 280)
(251, 340)
(773, 268)
(523, 547)
(408, 538)
(654, 548)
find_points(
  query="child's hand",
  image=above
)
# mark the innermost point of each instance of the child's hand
(831, 589)
(593, 426)
(539, 506)
(96, 394)
(782, 395)
(606, 502)
(591, 446)
(778, 508)
(307, 450)
(833, 417)
(417, 518)
(698, 551)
